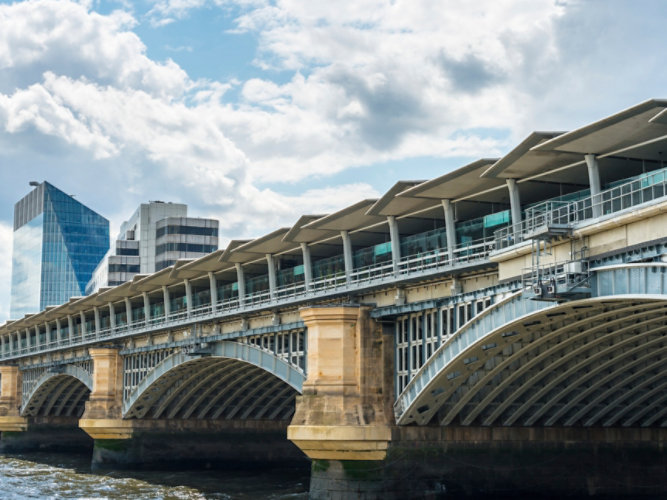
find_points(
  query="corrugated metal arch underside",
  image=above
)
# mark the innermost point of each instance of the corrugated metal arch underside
(237, 381)
(593, 362)
(59, 394)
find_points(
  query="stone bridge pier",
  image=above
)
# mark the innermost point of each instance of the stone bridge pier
(10, 400)
(343, 418)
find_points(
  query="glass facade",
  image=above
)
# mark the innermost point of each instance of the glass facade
(58, 242)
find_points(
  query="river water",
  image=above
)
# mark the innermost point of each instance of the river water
(68, 476)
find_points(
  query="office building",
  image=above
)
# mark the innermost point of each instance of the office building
(155, 236)
(58, 242)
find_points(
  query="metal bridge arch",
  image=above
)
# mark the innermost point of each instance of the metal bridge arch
(229, 380)
(56, 388)
(599, 361)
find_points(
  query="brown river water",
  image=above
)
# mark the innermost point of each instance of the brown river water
(68, 476)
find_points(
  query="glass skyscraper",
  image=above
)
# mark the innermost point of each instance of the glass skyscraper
(58, 242)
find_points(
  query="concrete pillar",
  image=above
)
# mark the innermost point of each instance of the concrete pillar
(450, 228)
(515, 205)
(188, 295)
(347, 255)
(98, 322)
(240, 280)
(128, 311)
(307, 266)
(102, 418)
(38, 343)
(341, 414)
(167, 301)
(213, 287)
(59, 327)
(70, 328)
(147, 307)
(10, 400)
(28, 341)
(594, 182)
(271, 271)
(395, 237)
(47, 333)
(2, 346)
(112, 317)
(82, 315)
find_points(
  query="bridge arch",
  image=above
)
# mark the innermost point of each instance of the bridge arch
(594, 362)
(60, 391)
(232, 380)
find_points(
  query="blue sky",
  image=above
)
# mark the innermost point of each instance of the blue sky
(257, 111)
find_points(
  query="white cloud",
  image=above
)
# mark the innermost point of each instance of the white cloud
(5, 269)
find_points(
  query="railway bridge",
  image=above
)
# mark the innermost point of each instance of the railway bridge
(501, 326)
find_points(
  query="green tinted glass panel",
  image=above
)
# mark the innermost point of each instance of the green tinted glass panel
(497, 219)
(383, 248)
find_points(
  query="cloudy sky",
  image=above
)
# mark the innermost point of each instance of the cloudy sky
(256, 111)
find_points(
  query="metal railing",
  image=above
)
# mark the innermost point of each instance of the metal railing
(566, 273)
(648, 187)
(430, 261)
(550, 213)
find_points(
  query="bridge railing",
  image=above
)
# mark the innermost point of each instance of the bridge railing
(435, 260)
(648, 187)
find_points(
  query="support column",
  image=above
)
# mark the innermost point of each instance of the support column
(271, 270)
(213, 286)
(188, 296)
(10, 400)
(341, 414)
(47, 333)
(28, 341)
(450, 229)
(70, 329)
(594, 182)
(347, 255)
(167, 301)
(59, 335)
(2, 346)
(147, 307)
(515, 207)
(128, 311)
(395, 237)
(37, 341)
(240, 281)
(307, 266)
(98, 322)
(82, 315)
(103, 418)
(112, 317)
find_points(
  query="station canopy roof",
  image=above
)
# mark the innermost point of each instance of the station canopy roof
(539, 162)
(636, 132)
